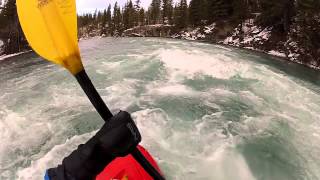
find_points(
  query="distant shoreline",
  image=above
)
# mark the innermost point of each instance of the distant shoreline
(261, 51)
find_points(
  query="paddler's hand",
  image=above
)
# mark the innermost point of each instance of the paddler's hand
(117, 138)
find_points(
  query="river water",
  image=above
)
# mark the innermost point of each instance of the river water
(205, 111)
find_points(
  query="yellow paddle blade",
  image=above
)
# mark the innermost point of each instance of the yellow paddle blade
(50, 27)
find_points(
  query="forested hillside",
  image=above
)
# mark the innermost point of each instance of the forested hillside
(11, 35)
(288, 28)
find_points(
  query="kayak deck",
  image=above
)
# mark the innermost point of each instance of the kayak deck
(127, 168)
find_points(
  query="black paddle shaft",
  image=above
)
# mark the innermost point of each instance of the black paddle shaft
(106, 114)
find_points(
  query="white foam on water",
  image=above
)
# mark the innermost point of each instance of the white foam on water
(67, 98)
(170, 89)
(226, 163)
(112, 65)
(292, 97)
(215, 157)
(287, 100)
(52, 158)
(20, 136)
(221, 92)
(196, 62)
(199, 149)
(121, 94)
(223, 47)
(152, 123)
(252, 98)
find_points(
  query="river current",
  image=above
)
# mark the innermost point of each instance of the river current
(204, 111)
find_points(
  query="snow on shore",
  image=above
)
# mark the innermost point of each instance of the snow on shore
(248, 36)
(251, 34)
(3, 57)
(195, 34)
(277, 53)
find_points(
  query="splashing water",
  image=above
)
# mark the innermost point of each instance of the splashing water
(205, 111)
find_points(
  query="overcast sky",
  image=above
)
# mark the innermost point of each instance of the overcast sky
(84, 6)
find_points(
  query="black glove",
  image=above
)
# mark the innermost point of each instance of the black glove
(117, 138)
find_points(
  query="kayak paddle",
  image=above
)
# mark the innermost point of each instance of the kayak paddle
(50, 27)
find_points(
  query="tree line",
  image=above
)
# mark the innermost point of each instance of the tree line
(113, 21)
(10, 31)
(279, 14)
(290, 20)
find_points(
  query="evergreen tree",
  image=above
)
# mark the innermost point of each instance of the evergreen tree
(277, 13)
(167, 11)
(104, 22)
(128, 15)
(241, 10)
(137, 5)
(181, 15)
(84, 20)
(170, 11)
(10, 29)
(176, 13)
(141, 17)
(198, 12)
(117, 19)
(137, 8)
(155, 11)
(99, 17)
(185, 12)
(308, 22)
(219, 10)
(132, 14)
(104, 18)
(108, 17)
(148, 16)
(95, 14)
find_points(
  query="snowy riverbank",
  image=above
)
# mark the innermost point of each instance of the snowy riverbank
(6, 56)
(248, 36)
(252, 37)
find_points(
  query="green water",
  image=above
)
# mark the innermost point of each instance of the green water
(205, 111)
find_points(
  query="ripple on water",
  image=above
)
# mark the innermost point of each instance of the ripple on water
(205, 111)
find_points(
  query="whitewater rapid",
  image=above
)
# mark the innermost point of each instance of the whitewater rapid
(205, 111)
